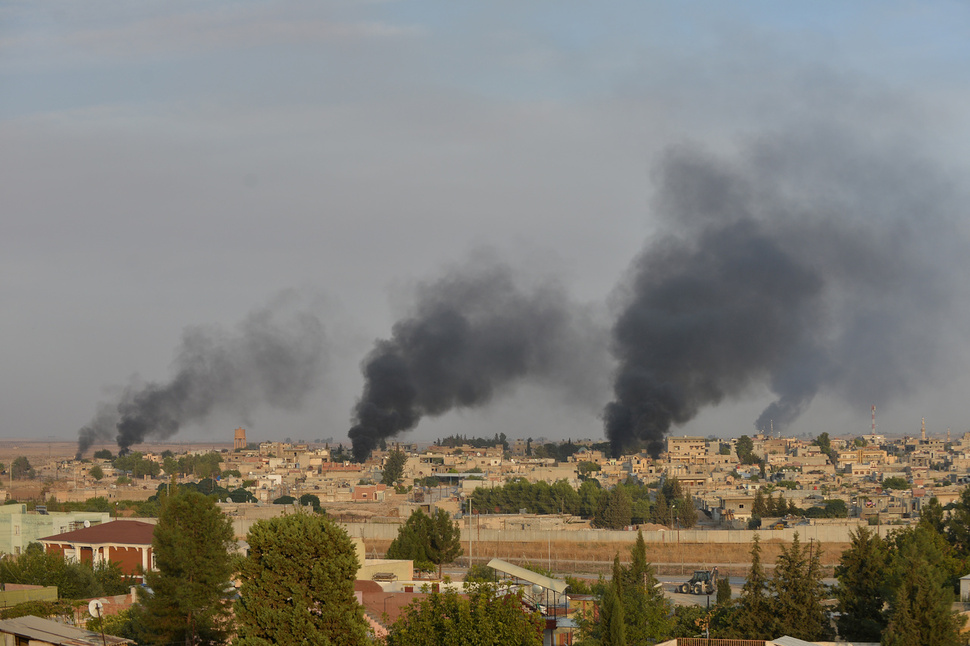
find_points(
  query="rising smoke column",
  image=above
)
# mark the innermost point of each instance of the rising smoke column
(273, 359)
(806, 264)
(468, 337)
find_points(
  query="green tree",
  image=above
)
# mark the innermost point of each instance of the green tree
(614, 509)
(21, 469)
(645, 609)
(896, 482)
(958, 525)
(170, 465)
(589, 494)
(35, 567)
(612, 620)
(760, 506)
(190, 589)
(823, 442)
(298, 584)
(777, 506)
(308, 499)
(686, 512)
(931, 516)
(744, 448)
(45, 609)
(920, 613)
(427, 540)
(120, 624)
(662, 512)
(723, 591)
(486, 616)
(922, 540)
(103, 454)
(96, 472)
(861, 576)
(755, 617)
(798, 590)
(671, 489)
(394, 468)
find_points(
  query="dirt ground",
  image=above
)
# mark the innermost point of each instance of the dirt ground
(595, 558)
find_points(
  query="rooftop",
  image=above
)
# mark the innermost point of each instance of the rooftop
(125, 532)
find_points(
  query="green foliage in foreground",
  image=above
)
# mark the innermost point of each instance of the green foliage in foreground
(191, 587)
(485, 617)
(74, 580)
(298, 585)
(46, 609)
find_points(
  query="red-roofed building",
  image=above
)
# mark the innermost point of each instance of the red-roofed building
(126, 542)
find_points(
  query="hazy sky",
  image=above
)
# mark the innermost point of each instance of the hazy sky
(165, 165)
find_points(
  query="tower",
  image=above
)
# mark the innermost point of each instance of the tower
(922, 432)
(239, 440)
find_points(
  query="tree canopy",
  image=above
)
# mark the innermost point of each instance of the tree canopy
(191, 588)
(861, 573)
(427, 540)
(74, 579)
(485, 617)
(298, 584)
(394, 468)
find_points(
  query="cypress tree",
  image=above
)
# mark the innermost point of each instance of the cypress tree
(861, 575)
(760, 506)
(645, 608)
(921, 613)
(686, 511)
(755, 616)
(798, 589)
(612, 624)
(189, 597)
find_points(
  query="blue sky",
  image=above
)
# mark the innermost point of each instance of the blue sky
(168, 164)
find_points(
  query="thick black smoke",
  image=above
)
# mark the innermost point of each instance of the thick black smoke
(470, 336)
(274, 359)
(807, 264)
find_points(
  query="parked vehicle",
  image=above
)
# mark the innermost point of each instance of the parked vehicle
(703, 582)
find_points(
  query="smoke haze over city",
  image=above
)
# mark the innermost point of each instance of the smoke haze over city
(620, 220)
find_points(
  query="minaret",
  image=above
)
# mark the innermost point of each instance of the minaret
(947, 436)
(923, 430)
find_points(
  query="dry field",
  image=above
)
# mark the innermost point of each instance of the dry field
(596, 558)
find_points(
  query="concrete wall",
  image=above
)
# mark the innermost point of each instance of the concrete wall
(821, 533)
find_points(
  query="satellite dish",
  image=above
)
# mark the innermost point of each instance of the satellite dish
(94, 608)
(87, 523)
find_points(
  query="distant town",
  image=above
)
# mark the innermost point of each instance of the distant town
(529, 510)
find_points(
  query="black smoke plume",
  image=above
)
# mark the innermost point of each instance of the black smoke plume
(273, 359)
(814, 264)
(469, 336)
